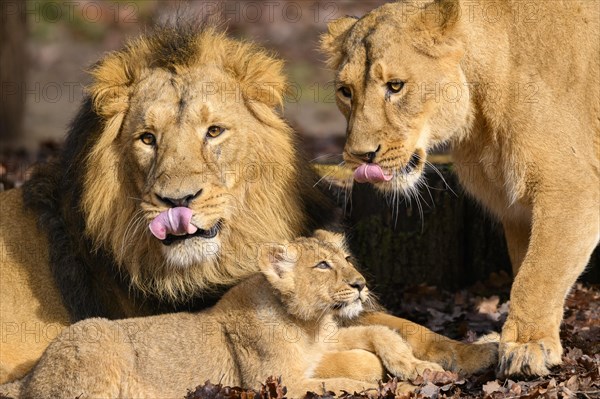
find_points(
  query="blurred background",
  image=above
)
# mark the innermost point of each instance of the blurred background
(47, 45)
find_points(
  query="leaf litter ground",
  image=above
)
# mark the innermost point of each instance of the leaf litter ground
(466, 315)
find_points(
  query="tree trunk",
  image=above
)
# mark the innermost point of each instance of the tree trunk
(13, 65)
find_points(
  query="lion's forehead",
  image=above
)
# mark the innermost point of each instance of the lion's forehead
(179, 99)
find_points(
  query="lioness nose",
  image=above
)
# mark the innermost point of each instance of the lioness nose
(368, 156)
(358, 284)
(183, 201)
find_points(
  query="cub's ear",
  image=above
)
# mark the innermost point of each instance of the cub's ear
(331, 42)
(277, 263)
(437, 29)
(331, 237)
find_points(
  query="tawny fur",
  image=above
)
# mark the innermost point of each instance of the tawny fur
(94, 255)
(174, 83)
(517, 95)
(280, 322)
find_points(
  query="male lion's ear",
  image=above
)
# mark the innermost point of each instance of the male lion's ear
(331, 42)
(438, 30)
(109, 90)
(331, 237)
(260, 74)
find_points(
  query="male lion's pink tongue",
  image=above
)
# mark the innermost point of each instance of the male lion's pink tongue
(370, 173)
(175, 221)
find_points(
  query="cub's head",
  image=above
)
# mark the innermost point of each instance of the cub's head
(400, 86)
(315, 277)
(185, 118)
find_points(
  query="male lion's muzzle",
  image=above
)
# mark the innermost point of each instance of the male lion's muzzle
(175, 224)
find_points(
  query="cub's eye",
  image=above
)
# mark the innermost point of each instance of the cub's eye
(323, 265)
(214, 131)
(395, 86)
(148, 138)
(345, 91)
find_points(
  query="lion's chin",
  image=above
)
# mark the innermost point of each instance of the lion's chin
(400, 183)
(192, 251)
(406, 177)
(351, 310)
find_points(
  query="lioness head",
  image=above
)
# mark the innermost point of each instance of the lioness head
(400, 85)
(187, 118)
(315, 276)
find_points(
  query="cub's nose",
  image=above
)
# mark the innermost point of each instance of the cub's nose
(358, 284)
(182, 201)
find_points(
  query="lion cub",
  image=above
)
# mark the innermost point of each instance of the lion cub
(278, 322)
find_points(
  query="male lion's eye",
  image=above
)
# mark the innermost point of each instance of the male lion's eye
(395, 87)
(214, 131)
(345, 92)
(148, 138)
(323, 265)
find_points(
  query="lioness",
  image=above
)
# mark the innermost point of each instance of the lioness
(182, 118)
(278, 322)
(517, 95)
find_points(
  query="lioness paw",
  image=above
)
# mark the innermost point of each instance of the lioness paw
(529, 359)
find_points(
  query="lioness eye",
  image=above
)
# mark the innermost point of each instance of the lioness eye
(323, 265)
(345, 92)
(148, 138)
(395, 87)
(214, 131)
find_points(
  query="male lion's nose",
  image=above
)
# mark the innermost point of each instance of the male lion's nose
(368, 156)
(358, 284)
(182, 201)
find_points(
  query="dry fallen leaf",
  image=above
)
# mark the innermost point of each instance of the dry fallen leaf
(491, 387)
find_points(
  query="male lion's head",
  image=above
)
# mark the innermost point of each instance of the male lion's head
(186, 118)
(400, 86)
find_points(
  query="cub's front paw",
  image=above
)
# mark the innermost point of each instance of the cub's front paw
(529, 359)
(421, 366)
(476, 357)
(409, 370)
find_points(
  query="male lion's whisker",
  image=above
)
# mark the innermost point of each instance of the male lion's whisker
(326, 156)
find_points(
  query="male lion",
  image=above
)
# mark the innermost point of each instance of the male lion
(518, 98)
(182, 123)
(278, 322)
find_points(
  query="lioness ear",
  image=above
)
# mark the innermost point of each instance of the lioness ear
(277, 264)
(331, 42)
(437, 29)
(336, 239)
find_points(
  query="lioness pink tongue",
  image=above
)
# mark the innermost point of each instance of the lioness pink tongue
(370, 173)
(175, 221)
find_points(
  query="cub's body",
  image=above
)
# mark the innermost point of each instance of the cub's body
(281, 322)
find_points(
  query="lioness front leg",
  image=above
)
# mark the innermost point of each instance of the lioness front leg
(427, 345)
(395, 354)
(565, 230)
(517, 241)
